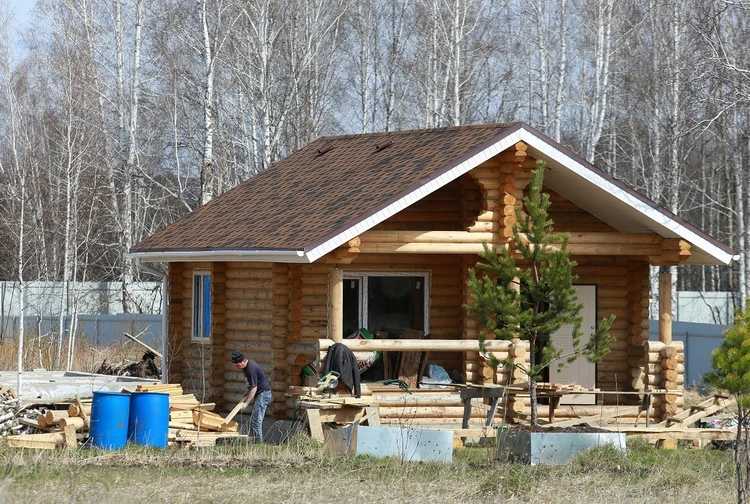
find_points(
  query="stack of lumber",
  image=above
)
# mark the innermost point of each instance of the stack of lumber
(191, 423)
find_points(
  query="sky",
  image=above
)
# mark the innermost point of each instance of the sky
(22, 15)
(22, 8)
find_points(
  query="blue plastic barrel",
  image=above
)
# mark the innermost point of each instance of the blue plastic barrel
(110, 412)
(149, 419)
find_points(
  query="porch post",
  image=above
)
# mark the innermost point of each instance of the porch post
(336, 304)
(665, 308)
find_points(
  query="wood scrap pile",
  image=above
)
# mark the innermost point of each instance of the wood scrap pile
(144, 368)
(190, 422)
(690, 424)
(53, 428)
(9, 408)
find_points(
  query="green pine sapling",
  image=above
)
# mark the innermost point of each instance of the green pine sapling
(533, 297)
(731, 372)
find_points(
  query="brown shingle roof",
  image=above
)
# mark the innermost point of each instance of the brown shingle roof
(309, 197)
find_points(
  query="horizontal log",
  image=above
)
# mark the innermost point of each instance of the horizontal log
(383, 237)
(416, 345)
(425, 248)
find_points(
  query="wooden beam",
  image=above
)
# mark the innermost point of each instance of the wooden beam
(425, 248)
(336, 303)
(129, 336)
(376, 237)
(665, 308)
(40, 441)
(415, 345)
(465, 242)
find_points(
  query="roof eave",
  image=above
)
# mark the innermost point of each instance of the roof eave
(222, 255)
(662, 223)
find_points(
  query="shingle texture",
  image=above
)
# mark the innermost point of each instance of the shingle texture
(310, 197)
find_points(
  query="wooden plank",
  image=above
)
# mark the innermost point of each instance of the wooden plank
(71, 441)
(373, 416)
(228, 420)
(133, 338)
(704, 409)
(347, 414)
(37, 441)
(316, 427)
(622, 411)
(82, 414)
(32, 422)
(674, 434)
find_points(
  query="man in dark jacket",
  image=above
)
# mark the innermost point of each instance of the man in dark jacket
(258, 391)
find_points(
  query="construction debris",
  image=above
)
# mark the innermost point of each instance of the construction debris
(144, 368)
(191, 423)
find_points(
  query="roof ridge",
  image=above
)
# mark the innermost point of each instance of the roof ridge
(418, 130)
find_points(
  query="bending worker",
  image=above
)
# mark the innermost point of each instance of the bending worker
(258, 391)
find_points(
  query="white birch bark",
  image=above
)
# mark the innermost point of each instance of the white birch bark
(598, 106)
(128, 238)
(561, 72)
(207, 164)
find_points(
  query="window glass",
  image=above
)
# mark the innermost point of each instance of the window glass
(352, 305)
(201, 305)
(380, 302)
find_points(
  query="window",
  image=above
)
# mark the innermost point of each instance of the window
(381, 301)
(201, 305)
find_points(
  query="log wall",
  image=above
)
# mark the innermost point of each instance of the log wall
(249, 325)
(665, 369)
(189, 361)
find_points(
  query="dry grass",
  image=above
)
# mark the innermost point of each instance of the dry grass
(40, 352)
(302, 472)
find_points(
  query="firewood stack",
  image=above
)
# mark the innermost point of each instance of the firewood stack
(190, 422)
(9, 406)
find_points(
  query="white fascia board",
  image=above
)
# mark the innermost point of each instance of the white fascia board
(626, 197)
(408, 199)
(280, 256)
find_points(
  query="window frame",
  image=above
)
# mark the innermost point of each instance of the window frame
(363, 277)
(200, 309)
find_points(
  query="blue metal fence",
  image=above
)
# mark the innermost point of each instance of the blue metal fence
(95, 329)
(699, 340)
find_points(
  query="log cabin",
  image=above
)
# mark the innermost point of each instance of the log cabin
(378, 231)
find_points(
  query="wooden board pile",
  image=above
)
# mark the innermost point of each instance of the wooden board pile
(554, 387)
(191, 423)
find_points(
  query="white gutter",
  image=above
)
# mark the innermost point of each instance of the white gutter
(164, 307)
(286, 256)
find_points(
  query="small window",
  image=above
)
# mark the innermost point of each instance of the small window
(201, 305)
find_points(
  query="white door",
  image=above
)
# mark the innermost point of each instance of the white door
(580, 372)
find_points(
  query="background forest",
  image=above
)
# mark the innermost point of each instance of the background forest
(119, 116)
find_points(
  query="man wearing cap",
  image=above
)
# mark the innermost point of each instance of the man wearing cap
(258, 391)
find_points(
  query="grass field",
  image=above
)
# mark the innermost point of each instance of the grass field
(301, 472)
